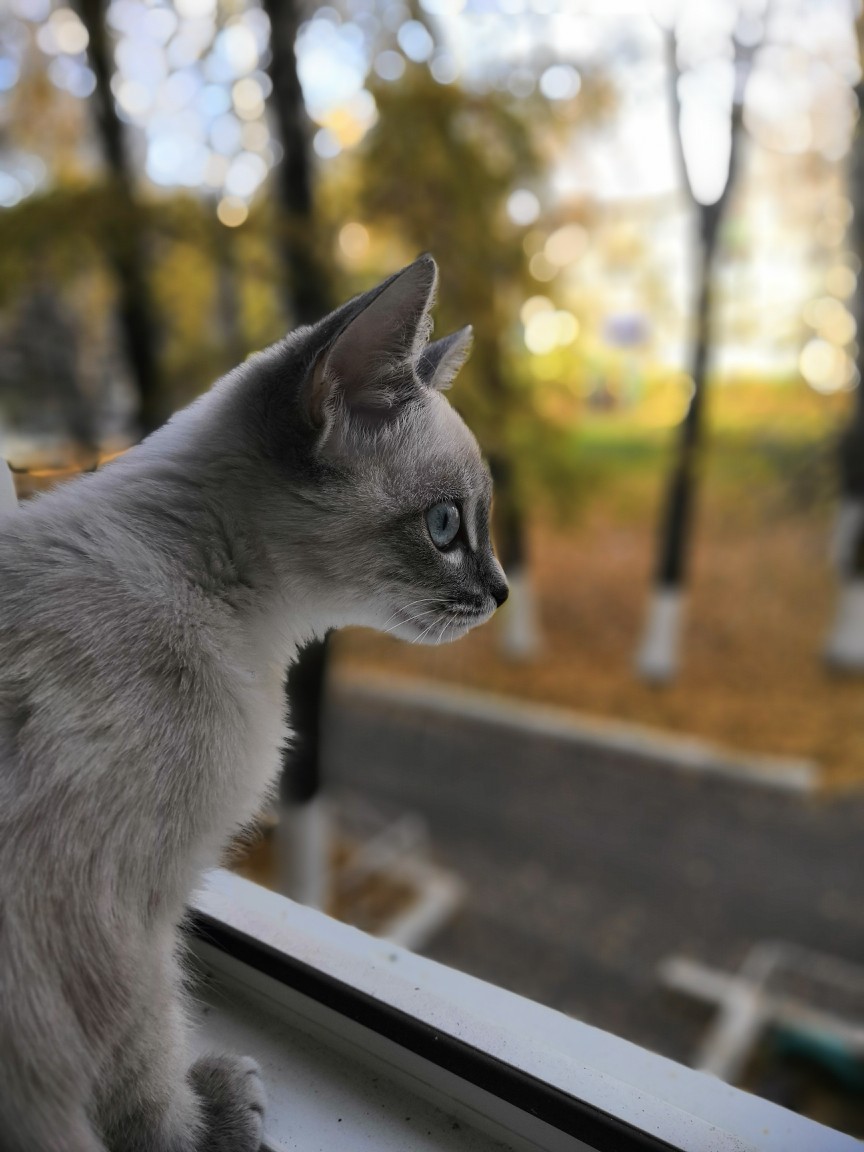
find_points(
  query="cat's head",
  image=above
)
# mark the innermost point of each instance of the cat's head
(387, 499)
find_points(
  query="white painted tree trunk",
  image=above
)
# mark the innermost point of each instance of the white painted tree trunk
(658, 659)
(847, 531)
(8, 496)
(302, 844)
(844, 649)
(520, 630)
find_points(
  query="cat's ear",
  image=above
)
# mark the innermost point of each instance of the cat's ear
(441, 360)
(366, 365)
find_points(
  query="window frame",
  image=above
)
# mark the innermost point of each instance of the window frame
(545, 1080)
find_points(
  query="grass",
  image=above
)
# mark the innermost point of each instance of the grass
(761, 589)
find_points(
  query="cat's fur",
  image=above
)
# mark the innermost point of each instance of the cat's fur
(147, 616)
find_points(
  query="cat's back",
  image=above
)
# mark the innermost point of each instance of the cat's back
(102, 646)
(51, 571)
(67, 582)
(125, 668)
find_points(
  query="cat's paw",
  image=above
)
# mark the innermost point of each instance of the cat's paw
(232, 1102)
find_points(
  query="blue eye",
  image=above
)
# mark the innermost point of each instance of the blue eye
(443, 521)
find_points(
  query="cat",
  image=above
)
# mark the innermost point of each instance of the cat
(149, 611)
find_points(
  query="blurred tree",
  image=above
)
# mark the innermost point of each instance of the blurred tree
(227, 295)
(39, 366)
(41, 119)
(307, 282)
(437, 169)
(658, 657)
(302, 836)
(125, 244)
(845, 646)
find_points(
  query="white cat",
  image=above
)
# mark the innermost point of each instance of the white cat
(147, 615)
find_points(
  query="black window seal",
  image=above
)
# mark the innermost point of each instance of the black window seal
(568, 1114)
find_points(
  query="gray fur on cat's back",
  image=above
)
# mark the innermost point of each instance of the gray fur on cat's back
(147, 616)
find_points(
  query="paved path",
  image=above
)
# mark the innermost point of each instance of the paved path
(586, 868)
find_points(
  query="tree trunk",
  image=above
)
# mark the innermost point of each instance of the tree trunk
(228, 318)
(851, 448)
(675, 532)
(844, 649)
(657, 661)
(308, 294)
(658, 657)
(519, 630)
(302, 832)
(302, 840)
(125, 243)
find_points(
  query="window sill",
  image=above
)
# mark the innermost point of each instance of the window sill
(365, 1045)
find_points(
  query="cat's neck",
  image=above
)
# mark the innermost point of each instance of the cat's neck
(185, 502)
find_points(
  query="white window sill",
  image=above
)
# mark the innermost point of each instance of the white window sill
(365, 1045)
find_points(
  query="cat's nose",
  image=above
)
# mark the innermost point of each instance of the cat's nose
(500, 592)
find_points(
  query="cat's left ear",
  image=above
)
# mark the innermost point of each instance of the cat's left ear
(441, 360)
(368, 368)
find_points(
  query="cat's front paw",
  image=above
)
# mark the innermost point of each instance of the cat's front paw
(232, 1102)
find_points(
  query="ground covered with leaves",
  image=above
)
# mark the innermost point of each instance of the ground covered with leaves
(762, 591)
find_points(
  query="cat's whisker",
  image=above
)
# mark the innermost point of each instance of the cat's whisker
(427, 629)
(451, 617)
(410, 619)
(412, 604)
(405, 607)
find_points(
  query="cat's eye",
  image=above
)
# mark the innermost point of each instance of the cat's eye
(443, 522)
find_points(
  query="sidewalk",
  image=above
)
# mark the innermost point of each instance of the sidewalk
(587, 865)
(669, 749)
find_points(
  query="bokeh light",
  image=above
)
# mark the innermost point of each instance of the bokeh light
(547, 329)
(415, 41)
(523, 207)
(533, 306)
(326, 144)
(62, 32)
(560, 82)
(354, 240)
(390, 65)
(825, 367)
(841, 281)
(444, 68)
(829, 317)
(232, 211)
(541, 268)
(566, 245)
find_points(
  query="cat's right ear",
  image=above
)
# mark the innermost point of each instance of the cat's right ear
(365, 373)
(442, 359)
